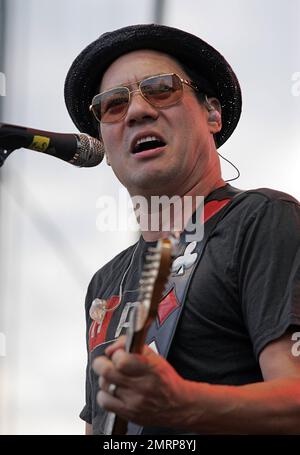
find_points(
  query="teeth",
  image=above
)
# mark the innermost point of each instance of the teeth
(146, 139)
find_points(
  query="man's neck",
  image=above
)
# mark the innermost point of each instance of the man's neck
(177, 218)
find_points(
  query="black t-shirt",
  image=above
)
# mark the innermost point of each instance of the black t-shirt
(244, 293)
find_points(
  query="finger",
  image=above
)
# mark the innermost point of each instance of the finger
(108, 374)
(121, 363)
(130, 364)
(108, 398)
(109, 402)
(118, 344)
(104, 383)
(101, 364)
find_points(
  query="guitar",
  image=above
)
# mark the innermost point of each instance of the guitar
(151, 286)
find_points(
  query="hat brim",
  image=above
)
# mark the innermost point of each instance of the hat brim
(85, 74)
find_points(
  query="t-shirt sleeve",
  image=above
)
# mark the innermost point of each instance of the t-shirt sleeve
(269, 272)
(86, 413)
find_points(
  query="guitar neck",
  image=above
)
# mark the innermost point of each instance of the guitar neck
(152, 283)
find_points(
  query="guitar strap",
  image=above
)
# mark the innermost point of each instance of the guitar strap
(162, 330)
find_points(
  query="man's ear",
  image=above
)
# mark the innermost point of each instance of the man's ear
(214, 113)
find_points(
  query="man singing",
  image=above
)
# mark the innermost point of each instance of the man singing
(162, 101)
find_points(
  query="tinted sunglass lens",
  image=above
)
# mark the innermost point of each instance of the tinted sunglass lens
(162, 90)
(113, 104)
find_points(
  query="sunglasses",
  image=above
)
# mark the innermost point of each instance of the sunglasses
(160, 91)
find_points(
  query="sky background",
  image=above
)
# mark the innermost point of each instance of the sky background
(50, 244)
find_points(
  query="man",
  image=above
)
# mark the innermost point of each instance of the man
(164, 100)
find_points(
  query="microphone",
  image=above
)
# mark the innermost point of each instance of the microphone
(79, 149)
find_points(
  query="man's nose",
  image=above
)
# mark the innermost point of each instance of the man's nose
(139, 109)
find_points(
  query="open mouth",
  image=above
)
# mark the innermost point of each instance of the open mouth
(148, 143)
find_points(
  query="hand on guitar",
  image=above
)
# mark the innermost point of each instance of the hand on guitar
(149, 391)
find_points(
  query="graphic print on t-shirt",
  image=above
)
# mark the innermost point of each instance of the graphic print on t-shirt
(98, 331)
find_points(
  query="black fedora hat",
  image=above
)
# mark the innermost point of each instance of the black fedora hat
(207, 64)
